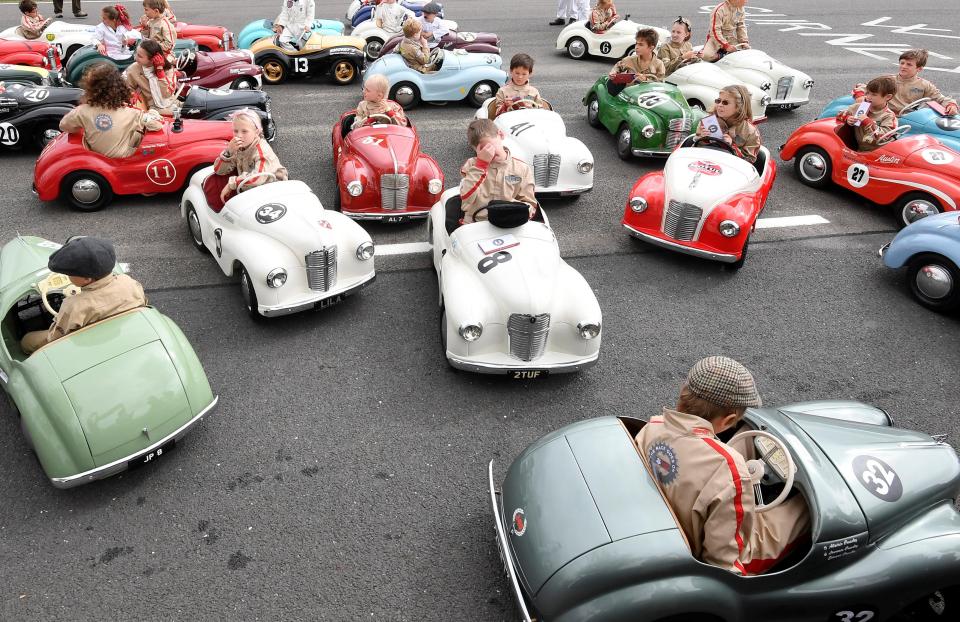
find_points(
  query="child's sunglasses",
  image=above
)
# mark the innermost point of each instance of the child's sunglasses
(725, 102)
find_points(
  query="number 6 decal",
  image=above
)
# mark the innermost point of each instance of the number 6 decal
(161, 172)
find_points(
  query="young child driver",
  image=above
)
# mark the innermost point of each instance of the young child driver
(152, 78)
(517, 88)
(432, 26)
(375, 102)
(32, 24)
(911, 87)
(879, 118)
(735, 114)
(295, 22)
(157, 27)
(728, 30)
(707, 482)
(248, 157)
(113, 32)
(389, 16)
(646, 66)
(678, 50)
(602, 16)
(493, 175)
(414, 48)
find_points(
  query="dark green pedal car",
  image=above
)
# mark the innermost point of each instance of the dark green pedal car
(585, 534)
(648, 119)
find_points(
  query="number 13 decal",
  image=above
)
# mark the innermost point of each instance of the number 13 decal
(301, 65)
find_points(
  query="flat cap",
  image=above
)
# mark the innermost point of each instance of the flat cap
(88, 257)
(431, 7)
(724, 382)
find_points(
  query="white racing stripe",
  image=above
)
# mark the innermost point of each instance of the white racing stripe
(791, 221)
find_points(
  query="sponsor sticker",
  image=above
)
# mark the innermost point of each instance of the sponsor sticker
(518, 525)
(103, 122)
(512, 179)
(493, 245)
(705, 167)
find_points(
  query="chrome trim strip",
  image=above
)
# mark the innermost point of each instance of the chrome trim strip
(883, 249)
(120, 465)
(499, 368)
(505, 550)
(561, 193)
(303, 306)
(368, 216)
(680, 248)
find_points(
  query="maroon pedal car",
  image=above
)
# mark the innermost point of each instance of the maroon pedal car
(33, 53)
(381, 173)
(234, 69)
(479, 42)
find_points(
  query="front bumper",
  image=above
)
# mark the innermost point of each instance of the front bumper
(120, 465)
(321, 300)
(504, 549)
(680, 248)
(651, 153)
(508, 365)
(557, 191)
(398, 216)
(883, 250)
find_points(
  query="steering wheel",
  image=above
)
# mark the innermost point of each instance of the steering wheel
(56, 283)
(913, 106)
(894, 134)
(774, 454)
(381, 118)
(521, 104)
(436, 56)
(247, 180)
(711, 142)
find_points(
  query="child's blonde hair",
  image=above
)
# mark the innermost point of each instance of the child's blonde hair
(411, 27)
(741, 97)
(480, 129)
(601, 4)
(379, 82)
(248, 115)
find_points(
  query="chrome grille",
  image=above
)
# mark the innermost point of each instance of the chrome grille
(681, 220)
(546, 169)
(784, 86)
(528, 335)
(393, 191)
(679, 129)
(322, 268)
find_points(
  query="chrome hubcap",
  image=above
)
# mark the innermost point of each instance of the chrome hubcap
(934, 281)
(593, 110)
(915, 210)
(86, 191)
(623, 142)
(49, 135)
(195, 228)
(404, 95)
(482, 92)
(344, 71)
(244, 85)
(373, 49)
(576, 48)
(813, 166)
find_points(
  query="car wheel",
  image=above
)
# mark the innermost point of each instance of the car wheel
(813, 167)
(934, 281)
(344, 72)
(45, 132)
(593, 110)
(372, 48)
(70, 51)
(270, 130)
(942, 605)
(249, 295)
(243, 84)
(735, 266)
(193, 226)
(405, 94)
(624, 140)
(86, 191)
(913, 206)
(696, 103)
(577, 48)
(481, 92)
(274, 70)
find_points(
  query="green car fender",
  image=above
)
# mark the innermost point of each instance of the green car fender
(195, 384)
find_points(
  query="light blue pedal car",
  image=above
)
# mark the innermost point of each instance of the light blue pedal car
(921, 118)
(930, 250)
(263, 28)
(460, 75)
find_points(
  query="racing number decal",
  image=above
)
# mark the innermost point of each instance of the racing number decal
(489, 263)
(651, 100)
(950, 124)
(864, 615)
(161, 172)
(605, 47)
(936, 156)
(520, 128)
(9, 135)
(878, 478)
(301, 65)
(370, 140)
(36, 95)
(858, 175)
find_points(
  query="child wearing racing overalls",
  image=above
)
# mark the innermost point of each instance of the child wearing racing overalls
(735, 116)
(375, 102)
(517, 88)
(157, 27)
(870, 125)
(295, 22)
(493, 175)
(678, 50)
(642, 63)
(727, 32)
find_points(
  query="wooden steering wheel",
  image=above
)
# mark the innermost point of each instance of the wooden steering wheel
(56, 283)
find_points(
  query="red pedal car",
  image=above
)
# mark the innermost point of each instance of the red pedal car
(164, 162)
(37, 53)
(704, 202)
(381, 173)
(208, 38)
(916, 175)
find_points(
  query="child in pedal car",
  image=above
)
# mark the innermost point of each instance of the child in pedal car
(493, 175)
(389, 16)
(678, 50)
(517, 88)
(870, 125)
(153, 79)
(375, 102)
(734, 113)
(32, 24)
(642, 63)
(156, 26)
(910, 86)
(414, 48)
(247, 161)
(113, 32)
(727, 32)
(295, 22)
(602, 16)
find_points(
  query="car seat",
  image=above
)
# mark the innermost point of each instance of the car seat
(454, 212)
(761, 162)
(347, 124)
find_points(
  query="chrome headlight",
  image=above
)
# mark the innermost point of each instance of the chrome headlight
(355, 188)
(648, 131)
(276, 278)
(808, 84)
(765, 101)
(435, 186)
(471, 332)
(729, 229)
(638, 204)
(365, 251)
(588, 330)
(585, 166)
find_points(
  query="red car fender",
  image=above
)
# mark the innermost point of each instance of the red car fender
(210, 37)
(743, 209)
(650, 187)
(920, 180)
(427, 169)
(26, 57)
(349, 169)
(819, 133)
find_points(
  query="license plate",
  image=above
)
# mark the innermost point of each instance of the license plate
(151, 456)
(329, 302)
(527, 374)
(394, 219)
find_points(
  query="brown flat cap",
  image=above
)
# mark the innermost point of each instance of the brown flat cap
(724, 382)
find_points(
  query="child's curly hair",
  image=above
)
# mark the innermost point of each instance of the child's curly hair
(104, 87)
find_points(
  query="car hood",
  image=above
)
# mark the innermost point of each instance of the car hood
(893, 473)
(319, 43)
(579, 488)
(660, 98)
(195, 131)
(22, 257)
(214, 99)
(208, 61)
(705, 177)
(386, 148)
(536, 131)
(756, 60)
(30, 96)
(926, 152)
(461, 59)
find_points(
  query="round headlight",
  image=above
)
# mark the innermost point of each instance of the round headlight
(435, 186)
(276, 278)
(355, 188)
(638, 204)
(471, 332)
(729, 229)
(585, 166)
(365, 251)
(648, 131)
(588, 330)
(765, 101)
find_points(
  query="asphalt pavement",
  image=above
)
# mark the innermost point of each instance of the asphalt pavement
(343, 476)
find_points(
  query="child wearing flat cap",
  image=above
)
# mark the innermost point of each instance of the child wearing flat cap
(707, 482)
(89, 263)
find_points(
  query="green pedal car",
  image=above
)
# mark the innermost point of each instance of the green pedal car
(648, 119)
(114, 395)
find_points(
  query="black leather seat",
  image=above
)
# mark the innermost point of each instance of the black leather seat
(454, 209)
(761, 162)
(346, 125)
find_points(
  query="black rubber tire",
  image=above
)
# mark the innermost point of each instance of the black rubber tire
(371, 49)
(594, 121)
(197, 244)
(696, 103)
(236, 84)
(106, 192)
(948, 304)
(249, 295)
(571, 41)
(820, 183)
(281, 69)
(735, 266)
(339, 75)
(270, 131)
(902, 202)
(416, 94)
(624, 153)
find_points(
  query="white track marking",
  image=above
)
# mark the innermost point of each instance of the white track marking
(409, 248)
(791, 221)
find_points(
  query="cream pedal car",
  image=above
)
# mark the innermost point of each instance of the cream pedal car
(510, 304)
(290, 254)
(787, 87)
(67, 38)
(376, 36)
(562, 165)
(615, 42)
(700, 83)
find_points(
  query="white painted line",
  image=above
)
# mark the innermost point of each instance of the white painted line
(409, 248)
(791, 221)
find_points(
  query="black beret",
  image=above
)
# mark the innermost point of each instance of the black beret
(88, 257)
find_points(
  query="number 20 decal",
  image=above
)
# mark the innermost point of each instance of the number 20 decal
(489, 263)
(9, 135)
(854, 616)
(300, 65)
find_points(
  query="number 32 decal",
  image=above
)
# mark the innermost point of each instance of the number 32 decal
(878, 478)
(854, 616)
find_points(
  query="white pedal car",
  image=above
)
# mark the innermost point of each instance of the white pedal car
(511, 305)
(562, 165)
(376, 37)
(616, 42)
(290, 254)
(701, 82)
(67, 38)
(787, 87)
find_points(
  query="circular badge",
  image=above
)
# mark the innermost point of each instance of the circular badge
(949, 124)
(519, 526)
(858, 175)
(51, 36)
(271, 212)
(936, 156)
(9, 135)
(162, 172)
(878, 478)
(36, 95)
(103, 122)
(663, 461)
(605, 47)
